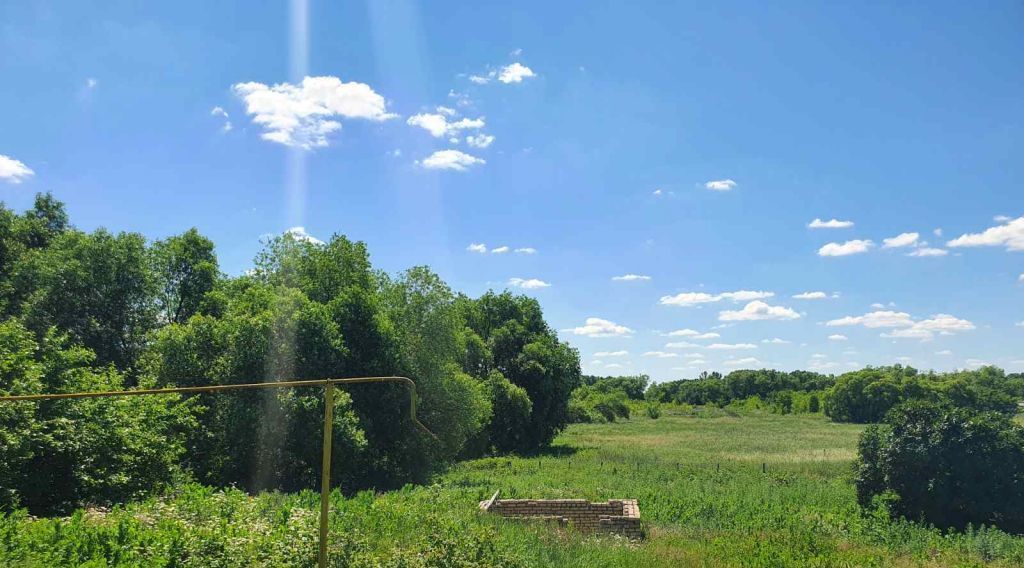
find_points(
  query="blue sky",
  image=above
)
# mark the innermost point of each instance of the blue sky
(689, 145)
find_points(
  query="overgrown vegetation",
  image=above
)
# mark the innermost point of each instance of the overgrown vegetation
(952, 467)
(99, 311)
(697, 473)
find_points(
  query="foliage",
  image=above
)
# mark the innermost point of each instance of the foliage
(867, 395)
(713, 388)
(953, 467)
(55, 454)
(591, 403)
(698, 480)
(632, 386)
(490, 373)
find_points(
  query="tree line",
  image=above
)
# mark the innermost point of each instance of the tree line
(102, 311)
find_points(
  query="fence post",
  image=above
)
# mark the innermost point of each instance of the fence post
(325, 471)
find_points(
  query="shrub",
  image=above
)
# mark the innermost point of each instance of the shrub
(949, 466)
(653, 410)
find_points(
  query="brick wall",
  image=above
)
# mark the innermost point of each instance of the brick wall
(618, 516)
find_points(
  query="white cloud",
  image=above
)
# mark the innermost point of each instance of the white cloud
(218, 111)
(621, 353)
(303, 115)
(477, 247)
(855, 246)
(758, 310)
(830, 224)
(515, 73)
(686, 299)
(720, 185)
(447, 111)
(876, 319)
(482, 79)
(597, 327)
(451, 160)
(480, 140)
(681, 345)
(901, 240)
(708, 335)
(14, 171)
(837, 337)
(810, 296)
(614, 366)
(528, 283)
(975, 363)
(661, 354)
(928, 252)
(943, 324)
(631, 277)
(937, 232)
(1010, 235)
(741, 362)
(693, 355)
(1001, 218)
(500, 250)
(525, 250)
(437, 125)
(944, 352)
(776, 341)
(683, 333)
(300, 234)
(91, 83)
(731, 346)
(1021, 277)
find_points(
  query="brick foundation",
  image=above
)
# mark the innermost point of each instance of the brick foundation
(615, 516)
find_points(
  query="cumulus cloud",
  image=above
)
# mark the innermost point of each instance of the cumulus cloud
(810, 296)
(631, 277)
(758, 310)
(855, 246)
(451, 160)
(928, 252)
(687, 299)
(904, 326)
(477, 248)
(597, 327)
(732, 346)
(837, 337)
(830, 224)
(621, 353)
(525, 250)
(480, 140)
(720, 185)
(708, 335)
(901, 240)
(1009, 235)
(515, 73)
(300, 234)
(500, 250)
(218, 111)
(14, 171)
(683, 333)
(438, 125)
(528, 283)
(303, 115)
(661, 354)
(681, 345)
(746, 361)
(876, 319)
(776, 341)
(943, 324)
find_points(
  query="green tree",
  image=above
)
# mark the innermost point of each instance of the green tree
(185, 269)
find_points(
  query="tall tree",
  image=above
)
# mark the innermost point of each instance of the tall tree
(185, 268)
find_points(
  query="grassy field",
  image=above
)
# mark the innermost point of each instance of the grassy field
(715, 489)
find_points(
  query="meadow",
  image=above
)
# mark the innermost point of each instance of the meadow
(716, 487)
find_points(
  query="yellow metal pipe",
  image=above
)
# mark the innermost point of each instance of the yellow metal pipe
(328, 384)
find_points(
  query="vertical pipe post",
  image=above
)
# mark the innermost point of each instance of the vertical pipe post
(325, 471)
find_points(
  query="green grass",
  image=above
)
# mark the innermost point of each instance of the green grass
(715, 489)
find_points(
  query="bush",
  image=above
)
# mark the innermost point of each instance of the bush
(653, 410)
(949, 466)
